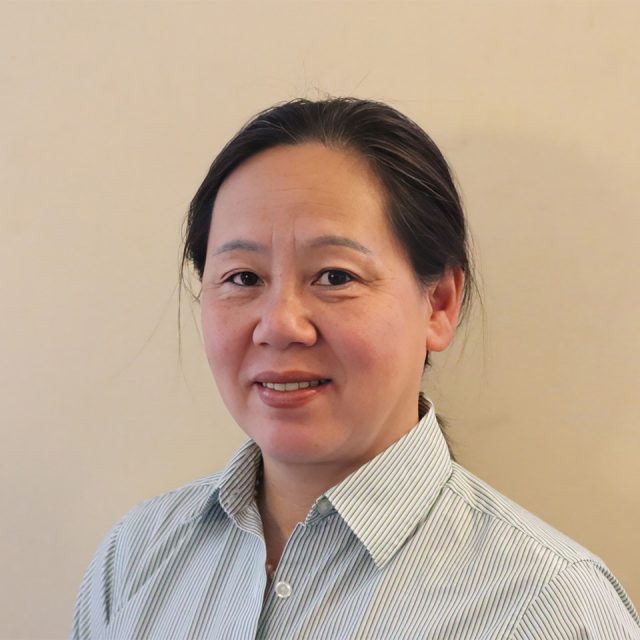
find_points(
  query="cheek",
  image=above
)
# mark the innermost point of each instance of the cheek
(360, 342)
(385, 344)
(222, 338)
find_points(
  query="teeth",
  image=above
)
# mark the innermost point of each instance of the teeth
(293, 386)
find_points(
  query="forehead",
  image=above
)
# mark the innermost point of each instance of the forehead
(309, 183)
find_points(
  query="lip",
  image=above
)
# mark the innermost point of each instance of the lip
(288, 399)
(288, 376)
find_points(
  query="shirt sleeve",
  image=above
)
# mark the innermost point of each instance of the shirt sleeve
(95, 598)
(583, 602)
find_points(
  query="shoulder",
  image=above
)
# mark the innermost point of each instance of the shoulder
(160, 518)
(497, 511)
(569, 588)
(146, 531)
(162, 513)
(583, 598)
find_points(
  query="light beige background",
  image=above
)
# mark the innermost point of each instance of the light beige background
(110, 115)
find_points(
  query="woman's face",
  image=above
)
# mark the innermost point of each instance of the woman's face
(305, 283)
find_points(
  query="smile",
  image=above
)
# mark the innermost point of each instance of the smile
(294, 386)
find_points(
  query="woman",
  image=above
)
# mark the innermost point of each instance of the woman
(332, 251)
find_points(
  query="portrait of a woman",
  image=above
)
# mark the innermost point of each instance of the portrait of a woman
(333, 255)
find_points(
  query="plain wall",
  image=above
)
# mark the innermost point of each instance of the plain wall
(111, 113)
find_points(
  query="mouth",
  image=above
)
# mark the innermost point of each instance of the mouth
(295, 386)
(290, 389)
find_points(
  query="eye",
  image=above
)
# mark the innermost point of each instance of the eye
(244, 279)
(334, 278)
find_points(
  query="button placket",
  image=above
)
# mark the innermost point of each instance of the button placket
(284, 577)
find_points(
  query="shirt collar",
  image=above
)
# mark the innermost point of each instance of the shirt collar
(382, 502)
(232, 488)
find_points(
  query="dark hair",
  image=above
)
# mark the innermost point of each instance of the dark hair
(423, 205)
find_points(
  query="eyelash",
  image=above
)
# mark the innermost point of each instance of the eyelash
(231, 278)
(352, 278)
(341, 272)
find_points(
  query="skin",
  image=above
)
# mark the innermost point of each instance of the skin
(306, 302)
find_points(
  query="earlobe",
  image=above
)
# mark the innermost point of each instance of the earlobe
(445, 298)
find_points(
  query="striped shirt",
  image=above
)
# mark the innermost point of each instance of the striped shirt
(410, 545)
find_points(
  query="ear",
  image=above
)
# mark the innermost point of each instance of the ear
(445, 298)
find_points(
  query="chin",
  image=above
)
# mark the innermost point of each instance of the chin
(293, 444)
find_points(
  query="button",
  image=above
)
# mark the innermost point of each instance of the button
(324, 506)
(283, 589)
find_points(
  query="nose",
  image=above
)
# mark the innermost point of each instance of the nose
(284, 321)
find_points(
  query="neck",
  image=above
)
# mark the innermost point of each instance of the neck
(284, 497)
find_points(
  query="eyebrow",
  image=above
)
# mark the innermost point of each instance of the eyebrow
(321, 241)
(339, 241)
(243, 245)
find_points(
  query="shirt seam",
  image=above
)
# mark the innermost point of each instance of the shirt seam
(530, 536)
(547, 585)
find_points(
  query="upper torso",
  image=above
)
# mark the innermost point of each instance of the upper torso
(411, 545)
